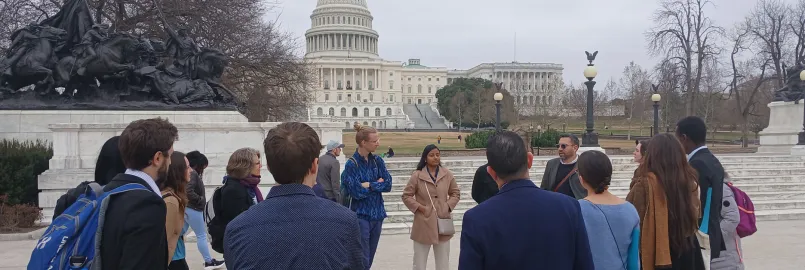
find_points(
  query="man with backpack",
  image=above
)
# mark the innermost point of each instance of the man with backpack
(122, 225)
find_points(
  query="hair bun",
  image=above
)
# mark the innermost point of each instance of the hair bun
(357, 127)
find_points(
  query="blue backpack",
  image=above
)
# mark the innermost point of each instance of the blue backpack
(72, 240)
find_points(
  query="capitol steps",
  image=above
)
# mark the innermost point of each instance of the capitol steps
(776, 185)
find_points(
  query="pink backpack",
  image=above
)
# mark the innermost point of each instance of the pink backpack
(747, 226)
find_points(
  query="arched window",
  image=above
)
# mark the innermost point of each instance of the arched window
(365, 123)
(326, 84)
(339, 85)
(370, 86)
(419, 89)
(430, 89)
(346, 124)
(349, 85)
(343, 111)
(355, 112)
(388, 111)
(374, 124)
(391, 84)
(409, 89)
(319, 112)
(358, 85)
(377, 112)
(332, 111)
(366, 112)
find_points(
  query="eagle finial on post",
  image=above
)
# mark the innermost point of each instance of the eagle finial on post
(591, 57)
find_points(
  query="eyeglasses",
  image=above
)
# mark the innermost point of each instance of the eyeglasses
(562, 146)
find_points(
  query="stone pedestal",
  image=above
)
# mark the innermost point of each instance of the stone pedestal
(76, 147)
(585, 149)
(33, 124)
(785, 123)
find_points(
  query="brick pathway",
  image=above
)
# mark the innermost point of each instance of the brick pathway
(777, 245)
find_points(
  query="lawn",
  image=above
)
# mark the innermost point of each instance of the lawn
(409, 142)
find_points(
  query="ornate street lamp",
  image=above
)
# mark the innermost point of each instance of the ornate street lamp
(498, 98)
(656, 98)
(802, 133)
(590, 139)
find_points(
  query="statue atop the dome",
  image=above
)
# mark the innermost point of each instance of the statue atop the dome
(69, 62)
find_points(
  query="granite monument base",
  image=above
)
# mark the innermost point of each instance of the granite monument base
(76, 147)
(34, 124)
(785, 123)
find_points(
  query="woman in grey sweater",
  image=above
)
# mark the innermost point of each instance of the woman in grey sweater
(194, 217)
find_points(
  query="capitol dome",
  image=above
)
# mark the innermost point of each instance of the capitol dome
(341, 28)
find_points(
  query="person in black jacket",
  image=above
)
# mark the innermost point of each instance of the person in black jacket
(133, 234)
(108, 165)
(240, 191)
(692, 133)
(483, 186)
(194, 216)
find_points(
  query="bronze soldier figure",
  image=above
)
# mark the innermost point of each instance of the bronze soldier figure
(89, 42)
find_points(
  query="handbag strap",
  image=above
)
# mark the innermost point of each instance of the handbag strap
(556, 189)
(431, 198)
(617, 246)
(705, 226)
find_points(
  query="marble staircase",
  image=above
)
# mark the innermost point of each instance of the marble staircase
(775, 183)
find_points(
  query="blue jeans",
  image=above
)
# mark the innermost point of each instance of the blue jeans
(195, 219)
(370, 236)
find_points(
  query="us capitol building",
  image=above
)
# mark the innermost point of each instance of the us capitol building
(357, 86)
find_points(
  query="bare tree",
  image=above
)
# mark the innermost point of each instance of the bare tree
(636, 85)
(796, 24)
(744, 89)
(15, 14)
(766, 25)
(685, 35)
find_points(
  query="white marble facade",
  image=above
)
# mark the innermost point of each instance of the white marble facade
(343, 48)
(76, 148)
(533, 85)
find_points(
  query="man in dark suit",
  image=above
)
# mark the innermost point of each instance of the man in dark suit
(292, 228)
(134, 227)
(483, 186)
(560, 173)
(523, 226)
(692, 133)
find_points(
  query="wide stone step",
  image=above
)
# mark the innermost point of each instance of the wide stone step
(616, 160)
(733, 169)
(468, 203)
(761, 215)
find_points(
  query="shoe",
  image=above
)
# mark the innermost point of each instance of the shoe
(214, 264)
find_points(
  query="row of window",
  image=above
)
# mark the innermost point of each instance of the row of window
(358, 97)
(420, 79)
(320, 112)
(531, 100)
(381, 124)
(349, 85)
(325, 20)
(419, 89)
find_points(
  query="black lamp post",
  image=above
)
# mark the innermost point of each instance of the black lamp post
(802, 133)
(590, 139)
(656, 98)
(498, 98)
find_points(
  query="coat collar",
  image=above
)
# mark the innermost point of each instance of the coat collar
(290, 189)
(515, 184)
(423, 174)
(360, 158)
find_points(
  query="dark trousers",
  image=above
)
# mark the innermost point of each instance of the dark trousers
(370, 237)
(178, 265)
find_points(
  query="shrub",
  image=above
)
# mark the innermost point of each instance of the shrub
(20, 164)
(478, 139)
(546, 139)
(17, 216)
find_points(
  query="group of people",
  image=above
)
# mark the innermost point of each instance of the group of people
(317, 217)
(679, 213)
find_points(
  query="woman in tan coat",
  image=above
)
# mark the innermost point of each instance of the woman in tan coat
(174, 193)
(431, 189)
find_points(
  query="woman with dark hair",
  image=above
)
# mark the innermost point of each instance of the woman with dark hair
(174, 193)
(430, 178)
(196, 196)
(640, 150)
(108, 165)
(604, 212)
(109, 162)
(665, 194)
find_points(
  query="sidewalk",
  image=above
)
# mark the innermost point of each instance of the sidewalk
(777, 245)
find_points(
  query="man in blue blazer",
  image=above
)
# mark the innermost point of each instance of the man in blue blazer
(523, 226)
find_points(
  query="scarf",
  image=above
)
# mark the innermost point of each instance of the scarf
(251, 183)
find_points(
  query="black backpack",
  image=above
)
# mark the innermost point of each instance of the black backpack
(214, 227)
(69, 198)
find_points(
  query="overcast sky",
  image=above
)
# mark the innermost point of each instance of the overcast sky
(460, 34)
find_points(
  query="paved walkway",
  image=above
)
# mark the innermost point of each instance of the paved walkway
(777, 245)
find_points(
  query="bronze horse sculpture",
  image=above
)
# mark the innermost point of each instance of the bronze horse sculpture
(116, 54)
(34, 67)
